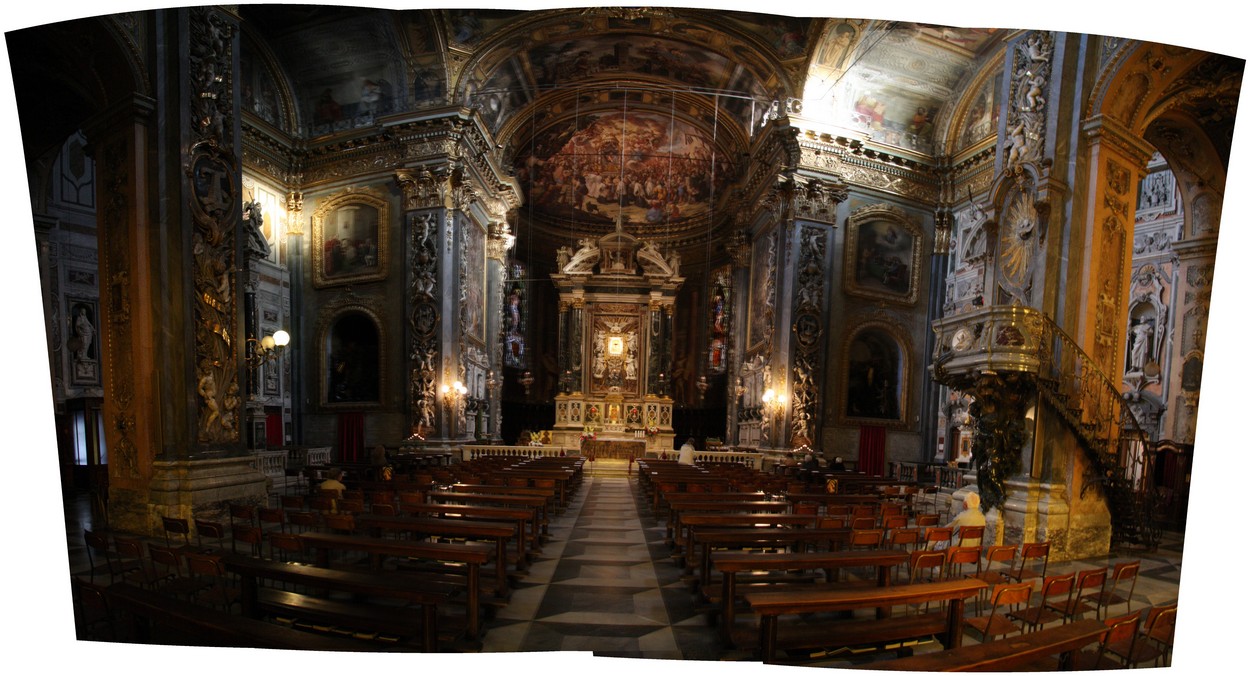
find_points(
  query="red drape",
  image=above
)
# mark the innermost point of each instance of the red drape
(273, 429)
(351, 437)
(871, 450)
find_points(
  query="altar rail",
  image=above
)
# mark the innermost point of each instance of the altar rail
(751, 459)
(470, 452)
(271, 463)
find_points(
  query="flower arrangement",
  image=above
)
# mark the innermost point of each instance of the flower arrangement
(536, 438)
(651, 430)
(588, 433)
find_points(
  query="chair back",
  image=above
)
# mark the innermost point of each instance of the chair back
(272, 515)
(1011, 593)
(1090, 579)
(971, 535)
(1058, 585)
(868, 538)
(924, 520)
(863, 522)
(894, 521)
(290, 502)
(935, 534)
(957, 557)
(923, 560)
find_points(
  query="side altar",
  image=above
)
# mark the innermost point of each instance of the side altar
(617, 296)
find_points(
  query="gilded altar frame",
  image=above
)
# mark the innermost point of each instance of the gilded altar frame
(350, 234)
(882, 255)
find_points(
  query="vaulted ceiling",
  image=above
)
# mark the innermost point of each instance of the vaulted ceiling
(591, 104)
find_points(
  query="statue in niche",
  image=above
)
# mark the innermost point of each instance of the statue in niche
(1140, 344)
(84, 333)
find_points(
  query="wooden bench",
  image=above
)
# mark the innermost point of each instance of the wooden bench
(732, 564)
(534, 502)
(688, 520)
(526, 519)
(472, 556)
(160, 619)
(1006, 654)
(770, 606)
(429, 596)
(708, 539)
(498, 532)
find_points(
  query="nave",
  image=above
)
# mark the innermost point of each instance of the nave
(606, 583)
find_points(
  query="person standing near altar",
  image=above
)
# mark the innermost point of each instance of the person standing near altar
(685, 456)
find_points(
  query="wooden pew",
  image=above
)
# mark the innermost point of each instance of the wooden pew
(731, 564)
(688, 520)
(499, 532)
(258, 600)
(770, 606)
(535, 502)
(526, 519)
(1006, 654)
(471, 555)
(160, 619)
(708, 539)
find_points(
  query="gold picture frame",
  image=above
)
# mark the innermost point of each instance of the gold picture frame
(349, 240)
(882, 255)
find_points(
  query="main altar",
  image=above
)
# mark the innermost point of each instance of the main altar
(617, 295)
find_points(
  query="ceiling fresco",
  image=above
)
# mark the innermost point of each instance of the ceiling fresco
(644, 167)
(570, 92)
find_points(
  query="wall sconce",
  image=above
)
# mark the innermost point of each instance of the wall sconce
(454, 392)
(267, 349)
(452, 395)
(774, 403)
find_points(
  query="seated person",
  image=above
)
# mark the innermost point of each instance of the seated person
(333, 483)
(810, 462)
(837, 465)
(971, 515)
(685, 456)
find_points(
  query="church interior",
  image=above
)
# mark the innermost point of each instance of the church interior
(606, 301)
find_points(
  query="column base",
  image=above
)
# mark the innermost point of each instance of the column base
(188, 489)
(1037, 511)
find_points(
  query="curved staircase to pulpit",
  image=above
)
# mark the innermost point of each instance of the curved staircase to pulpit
(975, 350)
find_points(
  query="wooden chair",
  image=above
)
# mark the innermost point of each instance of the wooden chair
(144, 574)
(180, 528)
(970, 536)
(93, 620)
(250, 535)
(1153, 643)
(210, 529)
(338, 523)
(1003, 554)
(293, 502)
(926, 566)
(177, 582)
(99, 549)
(938, 537)
(243, 515)
(863, 522)
(301, 522)
(926, 520)
(383, 509)
(1053, 599)
(958, 557)
(1003, 600)
(893, 522)
(287, 547)
(218, 591)
(1121, 631)
(904, 538)
(1121, 574)
(1030, 554)
(1088, 585)
(273, 516)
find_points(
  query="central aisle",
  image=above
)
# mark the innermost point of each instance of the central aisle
(604, 583)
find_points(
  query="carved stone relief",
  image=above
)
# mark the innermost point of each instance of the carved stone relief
(1026, 118)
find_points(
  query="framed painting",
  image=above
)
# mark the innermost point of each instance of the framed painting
(349, 238)
(874, 376)
(882, 259)
(473, 282)
(762, 290)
